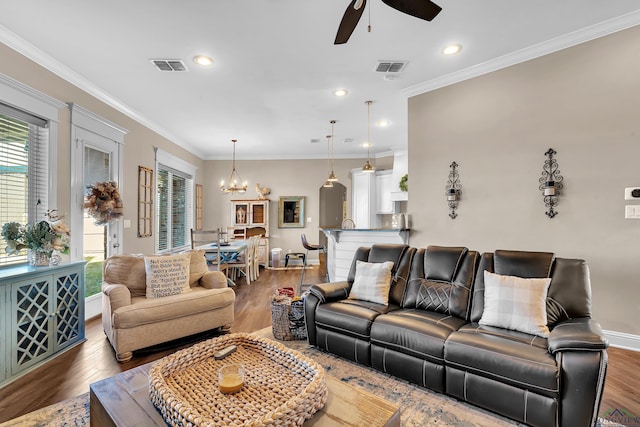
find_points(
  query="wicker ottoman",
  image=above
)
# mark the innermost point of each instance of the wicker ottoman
(282, 387)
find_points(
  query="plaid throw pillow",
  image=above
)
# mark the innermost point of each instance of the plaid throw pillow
(515, 303)
(372, 282)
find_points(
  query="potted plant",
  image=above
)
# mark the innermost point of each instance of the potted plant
(41, 238)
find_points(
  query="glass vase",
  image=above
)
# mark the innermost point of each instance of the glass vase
(38, 258)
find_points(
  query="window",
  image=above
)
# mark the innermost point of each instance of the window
(24, 172)
(174, 203)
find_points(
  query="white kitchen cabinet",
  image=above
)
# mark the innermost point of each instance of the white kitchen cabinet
(363, 197)
(400, 168)
(384, 187)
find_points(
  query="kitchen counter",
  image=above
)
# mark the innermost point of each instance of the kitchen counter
(342, 244)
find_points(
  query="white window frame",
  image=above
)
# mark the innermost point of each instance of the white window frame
(27, 99)
(169, 160)
(22, 97)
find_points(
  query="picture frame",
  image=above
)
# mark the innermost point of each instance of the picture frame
(291, 212)
(145, 201)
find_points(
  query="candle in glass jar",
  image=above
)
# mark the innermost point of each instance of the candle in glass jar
(231, 378)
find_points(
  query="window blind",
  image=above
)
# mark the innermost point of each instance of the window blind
(24, 173)
(174, 213)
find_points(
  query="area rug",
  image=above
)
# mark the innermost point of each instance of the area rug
(419, 407)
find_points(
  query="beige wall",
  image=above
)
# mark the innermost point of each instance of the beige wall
(139, 142)
(585, 103)
(284, 178)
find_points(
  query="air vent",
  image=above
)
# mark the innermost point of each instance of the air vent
(169, 65)
(390, 66)
(348, 140)
(315, 141)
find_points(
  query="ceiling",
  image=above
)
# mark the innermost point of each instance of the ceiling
(276, 67)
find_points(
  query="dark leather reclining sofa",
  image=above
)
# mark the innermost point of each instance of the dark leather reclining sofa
(429, 333)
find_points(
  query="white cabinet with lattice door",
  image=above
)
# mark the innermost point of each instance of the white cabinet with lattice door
(44, 314)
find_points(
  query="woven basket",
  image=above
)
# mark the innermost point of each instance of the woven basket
(282, 386)
(287, 318)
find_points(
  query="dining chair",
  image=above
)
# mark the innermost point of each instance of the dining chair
(241, 265)
(256, 260)
(212, 255)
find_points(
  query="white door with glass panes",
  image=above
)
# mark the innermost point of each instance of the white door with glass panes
(96, 159)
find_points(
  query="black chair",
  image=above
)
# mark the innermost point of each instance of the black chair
(310, 247)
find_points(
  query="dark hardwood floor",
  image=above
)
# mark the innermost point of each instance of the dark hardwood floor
(70, 374)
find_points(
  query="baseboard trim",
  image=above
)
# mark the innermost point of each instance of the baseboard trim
(623, 340)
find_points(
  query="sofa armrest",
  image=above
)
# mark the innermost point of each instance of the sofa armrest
(577, 334)
(213, 280)
(327, 292)
(118, 295)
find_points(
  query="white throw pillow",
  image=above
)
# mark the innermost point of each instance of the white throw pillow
(515, 303)
(167, 275)
(372, 282)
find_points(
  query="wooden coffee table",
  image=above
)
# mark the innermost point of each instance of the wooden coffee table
(123, 400)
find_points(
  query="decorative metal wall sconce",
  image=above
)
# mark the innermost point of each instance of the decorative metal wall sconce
(453, 190)
(550, 183)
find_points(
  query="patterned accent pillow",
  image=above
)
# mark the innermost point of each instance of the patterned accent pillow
(515, 303)
(372, 282)
(434, 296)
(167, 275)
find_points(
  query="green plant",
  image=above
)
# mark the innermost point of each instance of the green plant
(403, 182)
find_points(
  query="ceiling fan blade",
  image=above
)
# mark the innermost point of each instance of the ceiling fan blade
(423, 9)
(349, 21)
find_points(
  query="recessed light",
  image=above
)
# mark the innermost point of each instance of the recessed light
(365, 144)
(340, 92)
(452, 49)
(383, 123)
(203, 60)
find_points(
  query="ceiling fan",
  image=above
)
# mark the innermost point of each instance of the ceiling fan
(423, 9)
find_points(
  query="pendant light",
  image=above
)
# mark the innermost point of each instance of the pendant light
(328, 183)
(332, 175)
(234, 178)
(368, 167)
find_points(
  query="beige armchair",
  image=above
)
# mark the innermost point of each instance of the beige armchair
(132, 321)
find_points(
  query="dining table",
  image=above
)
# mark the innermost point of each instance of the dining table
(229, 252)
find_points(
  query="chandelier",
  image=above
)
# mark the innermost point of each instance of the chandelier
(233, 185)
(368, 167)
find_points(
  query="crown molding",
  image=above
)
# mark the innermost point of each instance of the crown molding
(556, 44)
(31, 52)
(287, 157)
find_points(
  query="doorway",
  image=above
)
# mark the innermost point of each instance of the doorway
(333, 208)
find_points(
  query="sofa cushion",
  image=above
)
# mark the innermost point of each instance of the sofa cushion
(434, 296)
(516, 303)
(144, 311)
(197, 265)
(512, 357)
(167, 275)
(417, 333)
(126, 270)
(441, 280)
(350, 317)
(372, 282)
